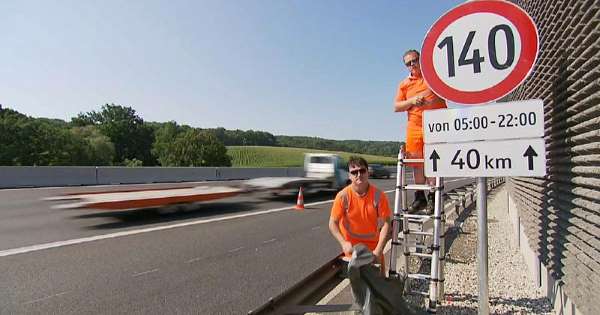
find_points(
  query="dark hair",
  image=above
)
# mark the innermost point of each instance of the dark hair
(357, 161)
(411, 51)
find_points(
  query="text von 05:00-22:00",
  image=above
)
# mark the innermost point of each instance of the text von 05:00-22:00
(483, 122)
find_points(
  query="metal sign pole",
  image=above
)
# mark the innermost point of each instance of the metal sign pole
(482, 246)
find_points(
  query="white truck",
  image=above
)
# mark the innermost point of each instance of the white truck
(322, 171)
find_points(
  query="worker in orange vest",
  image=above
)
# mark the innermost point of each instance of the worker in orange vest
(360, 213)
(414, 97)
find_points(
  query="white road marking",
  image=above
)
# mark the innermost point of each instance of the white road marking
(270, 241)
(45, 298)
(192, 260)
(38, 247)
(144, 273)
(235, 249)
(315, 228)
(333, 293)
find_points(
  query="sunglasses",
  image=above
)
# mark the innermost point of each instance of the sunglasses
(413, 62)
(360, 170)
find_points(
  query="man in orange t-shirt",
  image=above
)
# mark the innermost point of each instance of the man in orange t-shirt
(360, 213)
(414, 96)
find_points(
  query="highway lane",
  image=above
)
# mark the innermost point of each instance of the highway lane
(218, 267)
(26, 219)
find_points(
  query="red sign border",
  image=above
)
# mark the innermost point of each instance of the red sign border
(526, 28)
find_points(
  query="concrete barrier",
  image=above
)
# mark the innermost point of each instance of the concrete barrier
(138, 175)
(38, 176)
(229, 173)
(52, 176)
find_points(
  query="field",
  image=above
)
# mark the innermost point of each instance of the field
(257, 156)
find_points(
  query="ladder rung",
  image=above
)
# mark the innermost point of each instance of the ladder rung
(419, 276)
(420, 233)
(421, 255)
(417, 216)
(420, 293)
(413, 160)
(419, 187)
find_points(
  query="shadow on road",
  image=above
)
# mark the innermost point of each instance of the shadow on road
(147, 216)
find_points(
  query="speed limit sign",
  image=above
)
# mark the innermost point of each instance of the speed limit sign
(479, 51)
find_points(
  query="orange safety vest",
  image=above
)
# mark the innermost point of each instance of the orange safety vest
(346, 206)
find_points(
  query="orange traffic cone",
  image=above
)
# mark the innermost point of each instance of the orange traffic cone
(300, 201)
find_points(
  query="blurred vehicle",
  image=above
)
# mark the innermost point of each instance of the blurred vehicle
(322, 171)
(378, 171)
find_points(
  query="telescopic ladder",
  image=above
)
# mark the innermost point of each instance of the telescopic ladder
(411, 225)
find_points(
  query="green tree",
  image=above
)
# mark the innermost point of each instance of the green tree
(13, 145)
(198, 148)
(214, 152)
(126, 130)
(29, 141)
(99, 151)
(164, 139)
(132, 163)
(176, 145)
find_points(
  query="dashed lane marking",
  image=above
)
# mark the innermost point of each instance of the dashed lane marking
(270, 241)
(235, 249)
(144, 273)
(45, 298)
(192, 260)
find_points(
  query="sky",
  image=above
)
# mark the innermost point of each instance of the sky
(323, 68)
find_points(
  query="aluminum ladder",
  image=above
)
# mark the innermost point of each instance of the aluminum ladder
(401, 223)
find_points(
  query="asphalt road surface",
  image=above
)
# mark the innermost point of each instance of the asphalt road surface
(221, 257)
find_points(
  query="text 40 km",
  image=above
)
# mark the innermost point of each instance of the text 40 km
(473, 160)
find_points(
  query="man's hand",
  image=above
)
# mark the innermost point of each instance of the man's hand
(347, 248)
(377, 253)
(418, 100)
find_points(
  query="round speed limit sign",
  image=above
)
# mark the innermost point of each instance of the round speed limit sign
(479, 51)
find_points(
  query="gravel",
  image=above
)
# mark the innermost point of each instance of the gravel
(511, 289)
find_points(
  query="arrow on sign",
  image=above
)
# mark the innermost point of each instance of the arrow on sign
(529, 153)
(434, 156)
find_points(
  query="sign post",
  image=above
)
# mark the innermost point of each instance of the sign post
(474, 54)
(482, 246)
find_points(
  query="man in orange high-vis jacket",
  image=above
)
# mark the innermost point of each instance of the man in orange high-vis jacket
(360, 213)
(414, 96)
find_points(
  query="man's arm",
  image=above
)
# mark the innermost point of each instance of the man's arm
(334, 228)
(384, 236)
(401, 106)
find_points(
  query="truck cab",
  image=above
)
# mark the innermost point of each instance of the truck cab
(326, 166)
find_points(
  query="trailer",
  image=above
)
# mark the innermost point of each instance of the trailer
(148, 198)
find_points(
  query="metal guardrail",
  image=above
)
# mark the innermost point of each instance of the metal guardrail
(306, 292)
(302, 296)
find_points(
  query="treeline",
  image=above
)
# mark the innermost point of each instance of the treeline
(382, 148)
(116, 135)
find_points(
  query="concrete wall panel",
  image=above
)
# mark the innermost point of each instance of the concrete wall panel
(40, 176)
(136, 175)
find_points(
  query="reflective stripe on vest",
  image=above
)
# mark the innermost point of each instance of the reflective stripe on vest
(346, 205)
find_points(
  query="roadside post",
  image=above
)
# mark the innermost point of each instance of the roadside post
(473, 55)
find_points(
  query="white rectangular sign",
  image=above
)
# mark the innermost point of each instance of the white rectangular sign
(513, 120)
(521, 157)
